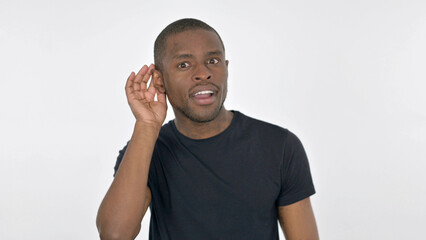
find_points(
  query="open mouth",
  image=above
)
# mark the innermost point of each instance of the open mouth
(204, 97)
(204, 94)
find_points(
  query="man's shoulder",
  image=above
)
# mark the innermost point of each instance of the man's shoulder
(166, 132)
(254, 129)
(166, 128)
(254, 123)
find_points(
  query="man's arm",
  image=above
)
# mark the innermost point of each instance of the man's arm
(128, 197)
(125, 204)
(297, 221)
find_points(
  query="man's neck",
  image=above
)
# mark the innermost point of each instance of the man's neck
(197, 130)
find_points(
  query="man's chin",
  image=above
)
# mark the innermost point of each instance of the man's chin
(202, 115)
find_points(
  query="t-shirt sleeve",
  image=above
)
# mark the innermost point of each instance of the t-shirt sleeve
(296, 179)
(119, 158)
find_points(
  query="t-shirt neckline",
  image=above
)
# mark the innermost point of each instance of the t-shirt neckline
(224, 132)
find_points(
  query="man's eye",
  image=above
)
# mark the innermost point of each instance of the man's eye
(183, 65)
(213, 61)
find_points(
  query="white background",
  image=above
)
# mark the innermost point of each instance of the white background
(347, 77)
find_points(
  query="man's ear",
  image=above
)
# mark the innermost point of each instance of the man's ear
(158, 81)
(226, 62)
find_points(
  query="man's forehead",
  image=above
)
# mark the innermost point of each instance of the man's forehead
(185, 54)
(182, 42)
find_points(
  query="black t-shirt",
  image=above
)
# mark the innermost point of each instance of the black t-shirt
(228, 186)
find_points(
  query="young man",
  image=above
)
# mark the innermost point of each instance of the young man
(210, 173)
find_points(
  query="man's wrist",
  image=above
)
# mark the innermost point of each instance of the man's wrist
(147, 128)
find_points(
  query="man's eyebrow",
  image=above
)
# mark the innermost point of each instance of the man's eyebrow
(216, 52)
(183, 56)
(188, 55)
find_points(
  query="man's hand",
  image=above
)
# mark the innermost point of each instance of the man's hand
(142, 99)
(126, 202)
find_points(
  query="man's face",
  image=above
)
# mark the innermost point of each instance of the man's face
(195, 74)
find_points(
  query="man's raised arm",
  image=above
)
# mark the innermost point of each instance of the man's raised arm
(125, 204)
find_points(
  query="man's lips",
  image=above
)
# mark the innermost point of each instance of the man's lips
(203, 89)
(204, 99)
(204, 95)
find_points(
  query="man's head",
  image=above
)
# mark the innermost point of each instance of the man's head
(182, 25)
(190, 57)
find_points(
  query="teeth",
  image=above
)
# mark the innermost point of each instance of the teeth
(204, 92)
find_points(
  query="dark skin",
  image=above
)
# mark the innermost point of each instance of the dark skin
(194, 61)
(194, 58)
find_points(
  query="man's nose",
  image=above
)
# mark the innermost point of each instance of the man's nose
(202, 73)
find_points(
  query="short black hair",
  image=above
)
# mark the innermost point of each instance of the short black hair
(173, 28)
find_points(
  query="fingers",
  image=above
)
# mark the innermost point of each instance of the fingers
(129, 83)
(151, 88)
(147, 76)
(143, 70)
(139, 84)
(161, 97)
(141, 78)
(136, 84)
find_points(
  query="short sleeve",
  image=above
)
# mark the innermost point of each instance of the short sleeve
(119, 158)
(296, 179)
